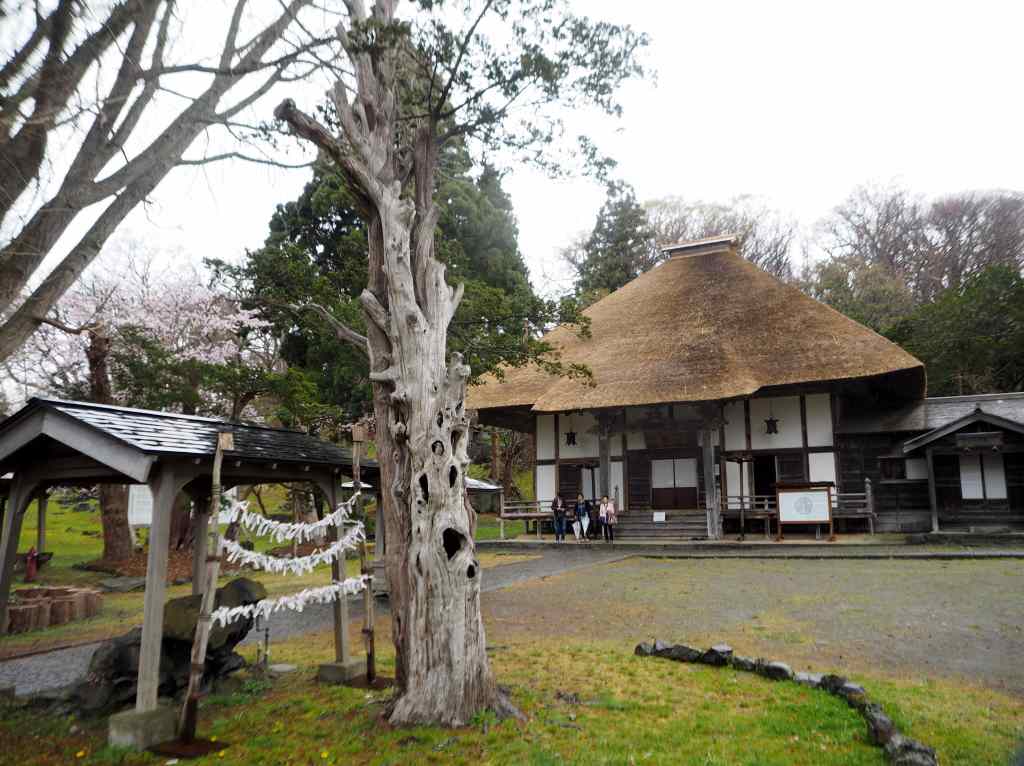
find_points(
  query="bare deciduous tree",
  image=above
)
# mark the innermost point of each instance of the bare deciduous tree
(415, 85)
(766, 237)
(95, 79)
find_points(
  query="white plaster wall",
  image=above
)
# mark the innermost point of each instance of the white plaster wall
(616, 444)
(735, 428)
(995, 476)
(786, 409)
(662, 476)
(636, 440)
(545, 437)
(917, 468)
(545, 483)
(819, 420)
(590, 483)
(686, 472)
(733, 477)
(822, 466)
(586, 435)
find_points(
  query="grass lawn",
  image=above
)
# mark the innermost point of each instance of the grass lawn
(630, 710)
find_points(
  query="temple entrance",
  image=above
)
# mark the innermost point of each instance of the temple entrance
(674, 483)
(764, 475)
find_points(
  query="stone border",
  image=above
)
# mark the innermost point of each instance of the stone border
(44, 607)
(900, 749)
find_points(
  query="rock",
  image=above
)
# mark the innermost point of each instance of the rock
(110, 683)
(808, 679)
(681, 653)
(644, 650)
(776, 671)
(743, 663)
(282, 668)
(660, 646)
(880, 727)
(123, 584)
(854, 694)
(903, 751)
(718, 655)
(181, 614)
(182, 581)
(832, 683)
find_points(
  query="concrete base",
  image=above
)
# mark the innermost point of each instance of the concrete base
(339, 673)
(142, 730)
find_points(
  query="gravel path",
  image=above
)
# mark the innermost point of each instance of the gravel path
(41, 672)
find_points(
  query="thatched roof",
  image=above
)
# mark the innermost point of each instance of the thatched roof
(705, 325)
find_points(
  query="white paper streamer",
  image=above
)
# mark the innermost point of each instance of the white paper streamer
(298, 565)
(283, 531)
(295, 602)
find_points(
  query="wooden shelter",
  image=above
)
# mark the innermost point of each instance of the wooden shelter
(713, 381)
(51, 443)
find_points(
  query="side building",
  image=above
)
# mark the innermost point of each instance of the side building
(713, 382)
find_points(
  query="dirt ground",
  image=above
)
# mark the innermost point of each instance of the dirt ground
(953, 619)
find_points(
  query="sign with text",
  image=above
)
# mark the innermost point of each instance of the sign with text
(811, 505)
(659, 516)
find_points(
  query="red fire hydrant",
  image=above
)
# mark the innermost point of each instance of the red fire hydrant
(31, 565)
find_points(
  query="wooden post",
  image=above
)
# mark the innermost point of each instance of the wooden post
(501, 514)
(199, 547)
(604, 454)
(165, 488)
(931, 490)
(869, 503)
(44, 499)
(17, 504)
(340, 604)
(710, 495)
(189, 711)
(358, 437)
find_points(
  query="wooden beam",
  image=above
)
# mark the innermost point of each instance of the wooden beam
(931, 489)
(803, 436)
(199, 544)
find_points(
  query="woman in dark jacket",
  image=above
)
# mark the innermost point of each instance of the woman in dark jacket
(581, 516)
(558, 512)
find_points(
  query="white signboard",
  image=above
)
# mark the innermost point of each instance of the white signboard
(659, 516)
(140, 505)
(804, 506)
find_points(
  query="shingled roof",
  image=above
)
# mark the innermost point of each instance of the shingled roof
(167, 433)
(705, 325)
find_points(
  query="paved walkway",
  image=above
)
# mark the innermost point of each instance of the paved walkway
(62, 667)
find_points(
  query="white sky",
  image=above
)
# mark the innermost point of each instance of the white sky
(796, 102)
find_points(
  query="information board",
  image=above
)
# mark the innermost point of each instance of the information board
(805, 506)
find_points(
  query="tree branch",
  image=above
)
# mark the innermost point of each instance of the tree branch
(341, 330)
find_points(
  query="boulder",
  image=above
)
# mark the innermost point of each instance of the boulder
(854, 694)
(644, 650)
(880, 727)
(808, 679)
(660, 646)
(718, 655)
(832, 683)
(110, 683)
(681, 653)
(743, 663)
(776, 671)
(903, 751)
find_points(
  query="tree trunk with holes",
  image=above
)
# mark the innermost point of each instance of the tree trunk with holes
(442, 669)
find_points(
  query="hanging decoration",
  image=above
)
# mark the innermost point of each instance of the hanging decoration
(771, 423)
(570, 435)
(294, 602)
(281, 531)
(298, 532)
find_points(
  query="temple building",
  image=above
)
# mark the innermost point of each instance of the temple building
(713, 383)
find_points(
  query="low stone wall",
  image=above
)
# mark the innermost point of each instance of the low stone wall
(38, 608)
(901, 750)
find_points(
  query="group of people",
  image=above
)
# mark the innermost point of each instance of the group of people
(586, 521)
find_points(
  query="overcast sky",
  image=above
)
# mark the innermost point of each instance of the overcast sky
(796, 102)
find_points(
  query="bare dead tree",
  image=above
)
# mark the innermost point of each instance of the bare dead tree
(417, 84)
(90, 79)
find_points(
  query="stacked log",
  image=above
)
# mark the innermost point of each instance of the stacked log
(39, 608)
